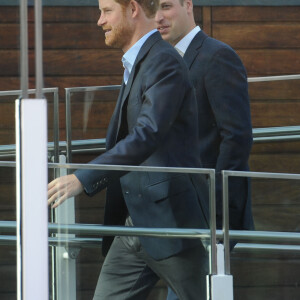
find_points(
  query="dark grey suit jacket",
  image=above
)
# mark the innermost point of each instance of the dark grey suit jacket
(154, 124)
(225, 129)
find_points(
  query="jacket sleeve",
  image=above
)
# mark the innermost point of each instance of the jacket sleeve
(227, 89)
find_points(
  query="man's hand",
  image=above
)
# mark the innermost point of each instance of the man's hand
(63, 188)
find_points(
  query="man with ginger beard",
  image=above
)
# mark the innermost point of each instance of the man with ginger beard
(220, 83)
(153, 125)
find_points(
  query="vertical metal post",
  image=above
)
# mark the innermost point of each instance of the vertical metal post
(24, 94)
(220, 286)
(24, 48)
(38, 49)
(31, 175)
(19, 200)
(56, 126)
(32, 211)
(68, 126)
(65, 258)
(213, 226)
(226, 223)
(55, 159)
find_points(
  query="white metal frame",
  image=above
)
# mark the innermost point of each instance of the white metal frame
(32, 211)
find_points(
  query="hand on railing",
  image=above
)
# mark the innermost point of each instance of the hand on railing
(62, 188)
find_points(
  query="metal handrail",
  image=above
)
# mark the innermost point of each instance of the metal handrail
(76, 242)
(270, 248)
(100, 230)
(276, 131)
(30, 91)
(276, 134)
(78, 146)
(260, 135)
(274, 78)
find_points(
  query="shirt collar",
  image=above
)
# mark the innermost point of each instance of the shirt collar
(183, 44)
(130, 55)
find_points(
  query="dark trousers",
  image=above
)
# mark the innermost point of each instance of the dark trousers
(129, 273)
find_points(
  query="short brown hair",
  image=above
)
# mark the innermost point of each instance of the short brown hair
(149, 6)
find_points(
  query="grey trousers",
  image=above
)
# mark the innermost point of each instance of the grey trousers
(129, 273)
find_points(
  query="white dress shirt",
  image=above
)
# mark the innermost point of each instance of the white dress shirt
(183, 44)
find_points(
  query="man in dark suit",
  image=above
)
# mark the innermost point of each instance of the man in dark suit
(153, 125)
(220, 83)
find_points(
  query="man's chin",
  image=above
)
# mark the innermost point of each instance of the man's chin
(165, 36)
(112, 44)
(109, 42)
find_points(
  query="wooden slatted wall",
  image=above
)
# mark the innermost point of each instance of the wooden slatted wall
(267, 40)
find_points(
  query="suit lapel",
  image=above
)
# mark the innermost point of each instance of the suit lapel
(142, 53)
(144, 50)
(193, 48)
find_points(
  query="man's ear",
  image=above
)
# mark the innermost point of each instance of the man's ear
(134, 8)
(189, 5)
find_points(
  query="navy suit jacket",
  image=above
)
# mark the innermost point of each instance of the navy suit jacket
(225, 129)
(154, 124)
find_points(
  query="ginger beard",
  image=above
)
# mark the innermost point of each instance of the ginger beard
(119, 35)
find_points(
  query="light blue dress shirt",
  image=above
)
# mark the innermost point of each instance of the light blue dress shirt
(130, 56)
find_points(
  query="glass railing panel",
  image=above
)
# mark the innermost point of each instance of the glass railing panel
(275, 102)
(8, 192)
(7, 127)
(262, 267)
(276, 204)
(7, 120)
(8, 251)
(265, 274)
(91, 110)
(10, 80)
(80, 264)
(88, 112)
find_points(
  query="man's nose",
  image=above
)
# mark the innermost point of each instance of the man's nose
(158, 16)
(100, 21)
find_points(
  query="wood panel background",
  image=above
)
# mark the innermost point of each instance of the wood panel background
(267, 40)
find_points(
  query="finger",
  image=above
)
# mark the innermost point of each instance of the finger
(59, 202)
(52, 192)
(54, 197)
(55, 186)
(52, 184)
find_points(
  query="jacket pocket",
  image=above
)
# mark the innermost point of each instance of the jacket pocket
(168, 188)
